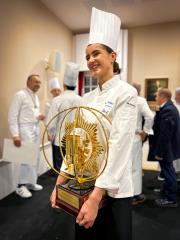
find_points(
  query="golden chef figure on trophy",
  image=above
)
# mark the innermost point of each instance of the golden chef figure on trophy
(85, 157)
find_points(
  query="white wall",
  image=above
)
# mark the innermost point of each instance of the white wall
(28, 34)
(154, 52)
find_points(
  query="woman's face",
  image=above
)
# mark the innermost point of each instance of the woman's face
(99, 61)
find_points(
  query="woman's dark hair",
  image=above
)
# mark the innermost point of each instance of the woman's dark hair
(108, 49)
(116, 69)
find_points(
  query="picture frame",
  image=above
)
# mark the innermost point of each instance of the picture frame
(151, 87)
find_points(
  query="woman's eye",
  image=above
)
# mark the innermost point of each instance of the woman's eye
(95, 54)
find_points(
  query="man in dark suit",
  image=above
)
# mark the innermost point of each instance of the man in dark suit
(164, 146)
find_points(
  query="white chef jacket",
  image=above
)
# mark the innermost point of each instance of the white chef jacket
(23, 122)
(118, 101)
(24, 109)
(143, 111)
(47, 107)
(66, 100)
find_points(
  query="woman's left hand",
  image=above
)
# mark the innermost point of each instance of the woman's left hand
(88, 213)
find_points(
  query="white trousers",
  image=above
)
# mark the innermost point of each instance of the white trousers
(28, 173)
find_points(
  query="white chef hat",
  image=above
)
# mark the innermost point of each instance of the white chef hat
(104, 28)
(54, 83)
(71, 74)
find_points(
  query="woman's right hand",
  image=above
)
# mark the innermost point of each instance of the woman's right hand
(60, 180)
(53, 198)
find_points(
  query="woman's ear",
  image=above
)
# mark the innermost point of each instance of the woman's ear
(113, 56)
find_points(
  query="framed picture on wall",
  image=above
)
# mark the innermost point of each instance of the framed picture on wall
(151, 87)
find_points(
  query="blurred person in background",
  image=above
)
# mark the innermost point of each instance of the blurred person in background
(24, 116)
(55, 90)
(164, 146)
(66, 100)
(144, 124)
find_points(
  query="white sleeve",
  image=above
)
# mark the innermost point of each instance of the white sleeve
(53, 111)
(120, 144)
(47, 107)
(65, 169)
(148, 117)
(13, 115)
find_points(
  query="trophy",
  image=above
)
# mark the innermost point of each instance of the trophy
(85, 139)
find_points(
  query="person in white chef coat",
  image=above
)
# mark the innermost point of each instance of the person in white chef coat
(66, 100)
(55, 90)
(24, 116)
(118, 100)
(176, 163)
(145, 114)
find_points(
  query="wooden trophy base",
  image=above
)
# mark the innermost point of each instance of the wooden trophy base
(71, 200)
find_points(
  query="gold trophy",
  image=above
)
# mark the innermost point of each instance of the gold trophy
(85, 140)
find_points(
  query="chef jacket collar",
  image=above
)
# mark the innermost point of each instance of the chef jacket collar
(109, 84)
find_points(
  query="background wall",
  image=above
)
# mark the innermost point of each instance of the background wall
(154, 51)
(28, 34)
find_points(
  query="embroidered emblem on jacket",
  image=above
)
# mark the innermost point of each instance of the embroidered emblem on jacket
(107, 107)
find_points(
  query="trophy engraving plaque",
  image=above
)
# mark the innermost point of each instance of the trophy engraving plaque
(71, 200)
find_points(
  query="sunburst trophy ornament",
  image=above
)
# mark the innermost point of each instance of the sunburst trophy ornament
(83, 133)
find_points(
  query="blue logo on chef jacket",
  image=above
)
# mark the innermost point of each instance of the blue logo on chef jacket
(107, 107)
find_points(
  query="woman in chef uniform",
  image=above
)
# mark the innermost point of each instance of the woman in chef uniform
(118, 100)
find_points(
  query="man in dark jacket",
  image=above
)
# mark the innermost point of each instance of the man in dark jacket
(164, 146)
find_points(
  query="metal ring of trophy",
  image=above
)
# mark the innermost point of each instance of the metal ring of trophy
(81, 153)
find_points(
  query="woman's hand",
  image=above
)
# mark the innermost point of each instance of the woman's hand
(60, 180)
(88, 213)
(53, 198)
(89, 210)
